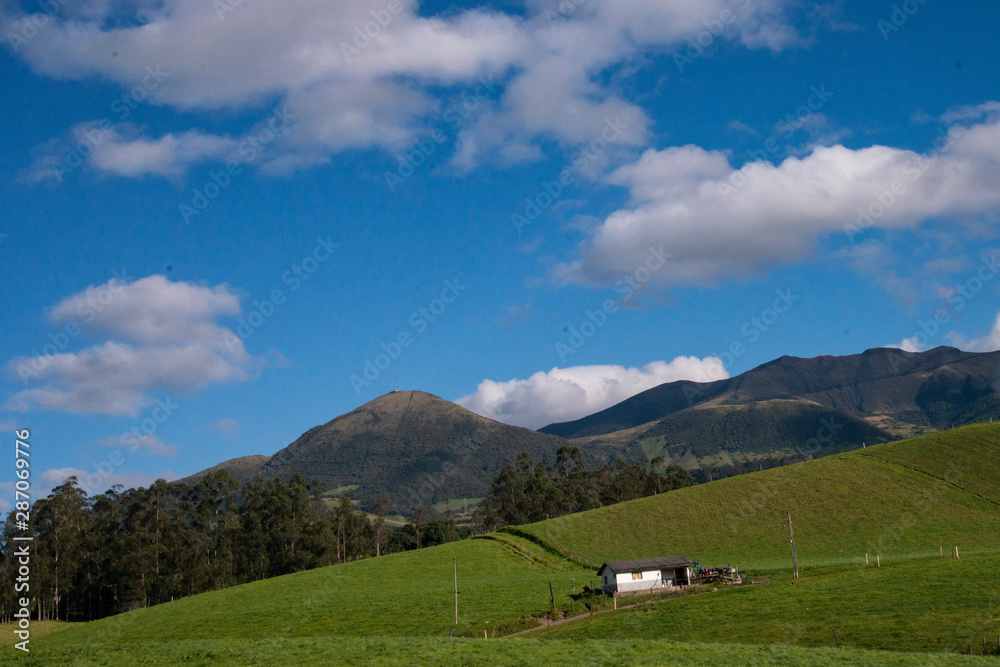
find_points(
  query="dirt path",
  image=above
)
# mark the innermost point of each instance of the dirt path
(546, 623)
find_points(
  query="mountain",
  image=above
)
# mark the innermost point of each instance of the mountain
(935, 389)
(775, 408)
(411, 446)
(243, 468)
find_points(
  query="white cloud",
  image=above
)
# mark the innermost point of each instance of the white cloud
(227, 427)
(150, 444)
(972, 112)
(169, 155)
(121, 151)
(987, 342)
(720, 223)
(911, 344)
(161, 335)
(565, 394)
(352, 90)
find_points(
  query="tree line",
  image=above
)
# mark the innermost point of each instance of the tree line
(530, 491)
(97, 556)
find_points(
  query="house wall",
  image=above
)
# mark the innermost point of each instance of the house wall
(649, 579)
(623, 581)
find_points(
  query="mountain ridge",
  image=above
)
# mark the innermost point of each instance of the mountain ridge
(917, 377)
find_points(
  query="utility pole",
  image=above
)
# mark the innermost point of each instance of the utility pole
(454, 564)
(791, 539)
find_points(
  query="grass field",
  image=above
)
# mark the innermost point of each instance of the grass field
(393, 651)
(920, 604)
(899, 500)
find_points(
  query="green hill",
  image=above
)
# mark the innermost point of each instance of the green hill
(917, 604)
(904, 497)
(901, 500)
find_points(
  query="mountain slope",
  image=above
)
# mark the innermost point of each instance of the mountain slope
(243, 468)
(725, 434)
(411, 446)
(934, 389)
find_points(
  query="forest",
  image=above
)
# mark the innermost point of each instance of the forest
(528, 491)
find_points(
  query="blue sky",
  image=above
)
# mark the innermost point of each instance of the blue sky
(171, 168)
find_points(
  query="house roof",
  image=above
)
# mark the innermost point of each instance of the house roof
(647, 564)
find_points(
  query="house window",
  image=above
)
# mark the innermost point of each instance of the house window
(636, 575)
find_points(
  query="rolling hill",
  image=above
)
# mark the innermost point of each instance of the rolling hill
(413, 447)
(900, 500)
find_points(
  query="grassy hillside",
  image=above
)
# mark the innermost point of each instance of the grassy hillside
(920, 604)
(896, 499)
(968, 457)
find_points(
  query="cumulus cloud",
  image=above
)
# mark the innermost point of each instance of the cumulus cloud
(719, 222)
(361, 75)
(149, 444)
(565, 394)
(160, 335)
(987, 342)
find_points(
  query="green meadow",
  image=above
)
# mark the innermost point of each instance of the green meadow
(902, 502)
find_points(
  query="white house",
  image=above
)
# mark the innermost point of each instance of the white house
(651, 574)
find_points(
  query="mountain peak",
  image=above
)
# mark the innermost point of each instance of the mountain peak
(415, 447)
